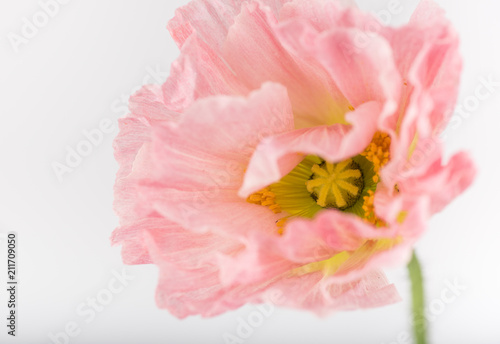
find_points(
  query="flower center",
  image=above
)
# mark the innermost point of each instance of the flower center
(336, 185)
(315, 184)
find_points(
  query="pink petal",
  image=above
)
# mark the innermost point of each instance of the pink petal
(213, 149)
(252, 265)
(305, 241)
(329, 233)
(225, 214)
(252, 41)
(150, 104)
(276, 156)
(211, 19)
(362, 75)
(133, 133)
(131, 237)
(442, 183)
(427, 54)
(187, 285)
(324, 296)
(146, 107)
(199, 162)
(311, 291)
(189, 278)
(371, 258)
(322, 15)
(199, 72)
(360, 63)
(131, 152)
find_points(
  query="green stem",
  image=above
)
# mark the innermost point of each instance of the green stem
(417, 290)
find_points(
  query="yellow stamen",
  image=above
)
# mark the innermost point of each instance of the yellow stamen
(378, 152)
(369, 208)
(266, 198)
(281, 225)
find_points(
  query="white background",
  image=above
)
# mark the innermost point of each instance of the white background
(80, 68)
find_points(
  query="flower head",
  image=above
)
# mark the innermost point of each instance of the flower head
(294, 147)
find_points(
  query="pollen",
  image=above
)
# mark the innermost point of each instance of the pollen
(265, 197)
(369, 209)
(336, 185)
(281, 225)
(378, 153)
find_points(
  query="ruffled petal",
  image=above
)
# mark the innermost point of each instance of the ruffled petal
(211, 19)
(441, 182)
(322, 15)
(362, 75)
(252, 41)
(200, 150)
(305, 241)
(147, 108)
(386, 247)
(315, 291)
(131, 237)
(189, 288)
(189, 282)
(131, 148)
(276, 156)
(427, 55)
(199, 162)
(133, 133)
(199, 72)
(324, 296)
(360, 63)
(201, 211)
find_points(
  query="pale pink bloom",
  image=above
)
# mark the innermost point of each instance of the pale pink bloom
(271, 100)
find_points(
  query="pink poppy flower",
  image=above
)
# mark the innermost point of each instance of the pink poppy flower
(293, 149)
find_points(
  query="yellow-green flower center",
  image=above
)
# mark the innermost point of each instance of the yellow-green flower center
(315, 184)
(336, 185)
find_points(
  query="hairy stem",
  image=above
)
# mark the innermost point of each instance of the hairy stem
(418, 301)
